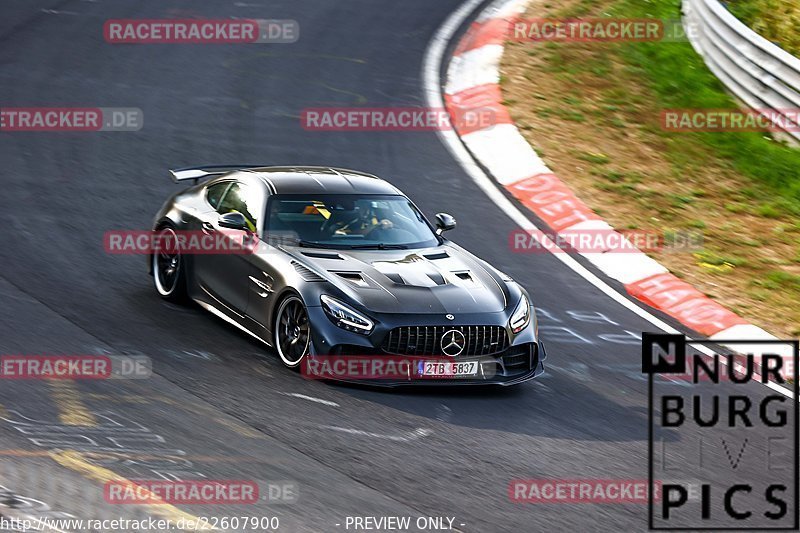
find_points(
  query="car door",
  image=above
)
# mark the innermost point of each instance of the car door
(224, 274)
(285, 220)
(268, 272)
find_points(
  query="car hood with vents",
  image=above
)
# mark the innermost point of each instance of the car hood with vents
(444, 279)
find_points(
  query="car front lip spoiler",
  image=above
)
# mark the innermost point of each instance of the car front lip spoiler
(455, 382)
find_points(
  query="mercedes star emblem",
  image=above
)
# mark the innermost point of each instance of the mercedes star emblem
(453, 342)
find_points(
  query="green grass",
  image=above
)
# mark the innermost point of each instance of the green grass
(739, 190)
(697, 224)
(755, 155)
(778, 279)
(599, 159)
(768, 211)
(776, 20)
(711, 258)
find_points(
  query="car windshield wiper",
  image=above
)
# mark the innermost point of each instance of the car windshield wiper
(314, 244)
(379, 246)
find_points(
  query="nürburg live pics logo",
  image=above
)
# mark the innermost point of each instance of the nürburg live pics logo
(722, 436)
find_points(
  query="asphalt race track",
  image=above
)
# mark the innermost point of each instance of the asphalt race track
(219, 404)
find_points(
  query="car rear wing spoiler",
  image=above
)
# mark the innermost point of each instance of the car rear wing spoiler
(196, 173)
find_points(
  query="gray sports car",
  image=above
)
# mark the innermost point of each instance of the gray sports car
(339, 263)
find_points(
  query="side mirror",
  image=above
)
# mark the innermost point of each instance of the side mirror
(444, 222)
(234, 220)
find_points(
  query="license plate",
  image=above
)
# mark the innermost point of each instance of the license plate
(447, 368)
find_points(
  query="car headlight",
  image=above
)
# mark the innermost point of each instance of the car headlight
(521, 316)
(345, 317)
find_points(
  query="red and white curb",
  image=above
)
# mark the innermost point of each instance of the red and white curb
(473, 83)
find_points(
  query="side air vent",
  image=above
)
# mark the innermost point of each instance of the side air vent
(438, 255)
(323, 255)
(353, 277)
(306, 273)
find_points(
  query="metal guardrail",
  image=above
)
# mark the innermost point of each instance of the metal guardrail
(758, 72)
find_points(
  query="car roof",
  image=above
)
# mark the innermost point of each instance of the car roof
(300, 180)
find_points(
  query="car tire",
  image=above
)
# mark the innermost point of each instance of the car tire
(292, 331)
(169, 269)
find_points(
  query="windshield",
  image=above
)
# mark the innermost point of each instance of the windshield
(348, 221)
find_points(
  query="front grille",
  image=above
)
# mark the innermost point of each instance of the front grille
(427, 340)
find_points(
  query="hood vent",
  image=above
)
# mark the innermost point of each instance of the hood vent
(306, 273)
(466, 276)
(353, 277)
(397, 278)
(323, 255)
(438, 255)
(437, 278)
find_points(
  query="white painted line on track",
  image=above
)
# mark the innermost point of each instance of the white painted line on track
(417, 434)
(57, 12)
(310, 398)
(432, 88)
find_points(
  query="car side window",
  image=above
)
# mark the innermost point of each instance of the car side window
(215, 192)
(244, 199)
